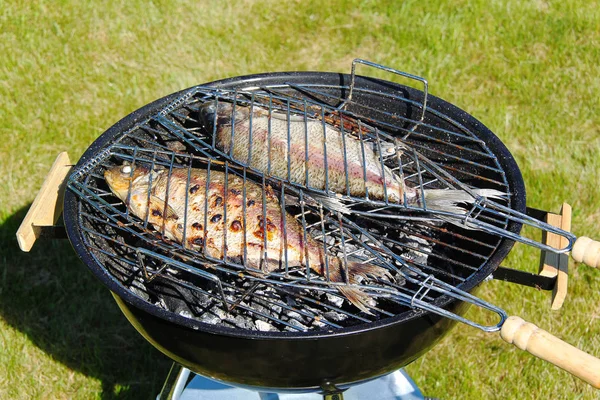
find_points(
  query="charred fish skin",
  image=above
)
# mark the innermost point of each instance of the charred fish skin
(301, 150)
(225, 218)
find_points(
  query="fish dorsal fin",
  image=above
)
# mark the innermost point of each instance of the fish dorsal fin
(283, 116)
(157, 206)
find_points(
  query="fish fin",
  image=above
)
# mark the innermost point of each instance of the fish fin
(388, 148)
(331, 202)
(356, 296)
(359, 268)
(283, 116)
(158, 204)
(449, 200)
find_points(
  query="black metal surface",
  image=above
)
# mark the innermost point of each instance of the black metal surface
(297, 360)
(525, 278)
(293, 362)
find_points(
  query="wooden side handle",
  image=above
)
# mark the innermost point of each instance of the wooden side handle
(587, 251)
(47, 206)
(526, 336)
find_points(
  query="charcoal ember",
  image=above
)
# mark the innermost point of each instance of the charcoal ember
(264, 326)
(275, 309)
(161, 304)
(204, 302)
(335, 316)
(294, 315)
(140, 292)
(209, 318)
(417, 257)
(186, 314)
(222, 314)
(335, 300)
(421, 242)
(318, 323)
(262, 308)
(243, 322)
(399, 280)
(329, 240)
(297, 325)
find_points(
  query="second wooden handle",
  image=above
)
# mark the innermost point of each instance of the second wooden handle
(47, 206)
(587, 251)
(526, 336)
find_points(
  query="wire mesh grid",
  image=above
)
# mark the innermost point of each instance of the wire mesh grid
(423, 257)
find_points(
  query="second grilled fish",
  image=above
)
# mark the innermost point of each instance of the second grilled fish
(318, 155)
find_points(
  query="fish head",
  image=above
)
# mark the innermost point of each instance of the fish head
(122, 179)
(221, 113)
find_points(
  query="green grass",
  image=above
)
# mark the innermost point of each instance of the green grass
(69, 70)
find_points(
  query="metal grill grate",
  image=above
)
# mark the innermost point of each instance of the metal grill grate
(425, 257)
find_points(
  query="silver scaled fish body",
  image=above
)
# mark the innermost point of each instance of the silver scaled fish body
(225, 220)
(315, 154)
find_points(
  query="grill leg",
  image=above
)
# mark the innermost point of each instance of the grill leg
(331, 392)
(175, 383)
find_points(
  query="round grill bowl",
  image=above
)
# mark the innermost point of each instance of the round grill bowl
(300, 361)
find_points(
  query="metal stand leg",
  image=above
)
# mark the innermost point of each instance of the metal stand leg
(175, 383)
(331, 392)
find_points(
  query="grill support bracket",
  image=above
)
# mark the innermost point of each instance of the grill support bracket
(44, 213)
(553, 271)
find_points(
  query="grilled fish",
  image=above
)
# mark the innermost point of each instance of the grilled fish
(316, 154)
(227, 219)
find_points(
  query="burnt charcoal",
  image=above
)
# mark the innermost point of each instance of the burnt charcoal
(294, 315)
(336, 300)
(318, 323)
(264, 326)
(209, 318)
(297, 325)
(139, 291)
(335, 316)
(275, 309)
(244, 323)
(161, 304)
(222, 314)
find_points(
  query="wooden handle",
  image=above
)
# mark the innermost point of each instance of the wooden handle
(526, 336)
(47, 206)
(587, 251)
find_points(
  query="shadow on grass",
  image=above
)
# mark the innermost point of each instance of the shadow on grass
(50, 296)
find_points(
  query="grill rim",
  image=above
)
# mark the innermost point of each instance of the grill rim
(513, 175)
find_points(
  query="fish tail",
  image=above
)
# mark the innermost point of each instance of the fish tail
(357, 297)
(356, 269)
(449, 200)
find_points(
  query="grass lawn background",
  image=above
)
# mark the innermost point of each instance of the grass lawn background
(68, 70)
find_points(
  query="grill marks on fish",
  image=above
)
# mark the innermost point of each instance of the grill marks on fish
(250, 234)
(303, 150)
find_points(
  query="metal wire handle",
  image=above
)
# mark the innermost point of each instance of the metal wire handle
(393, 71)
